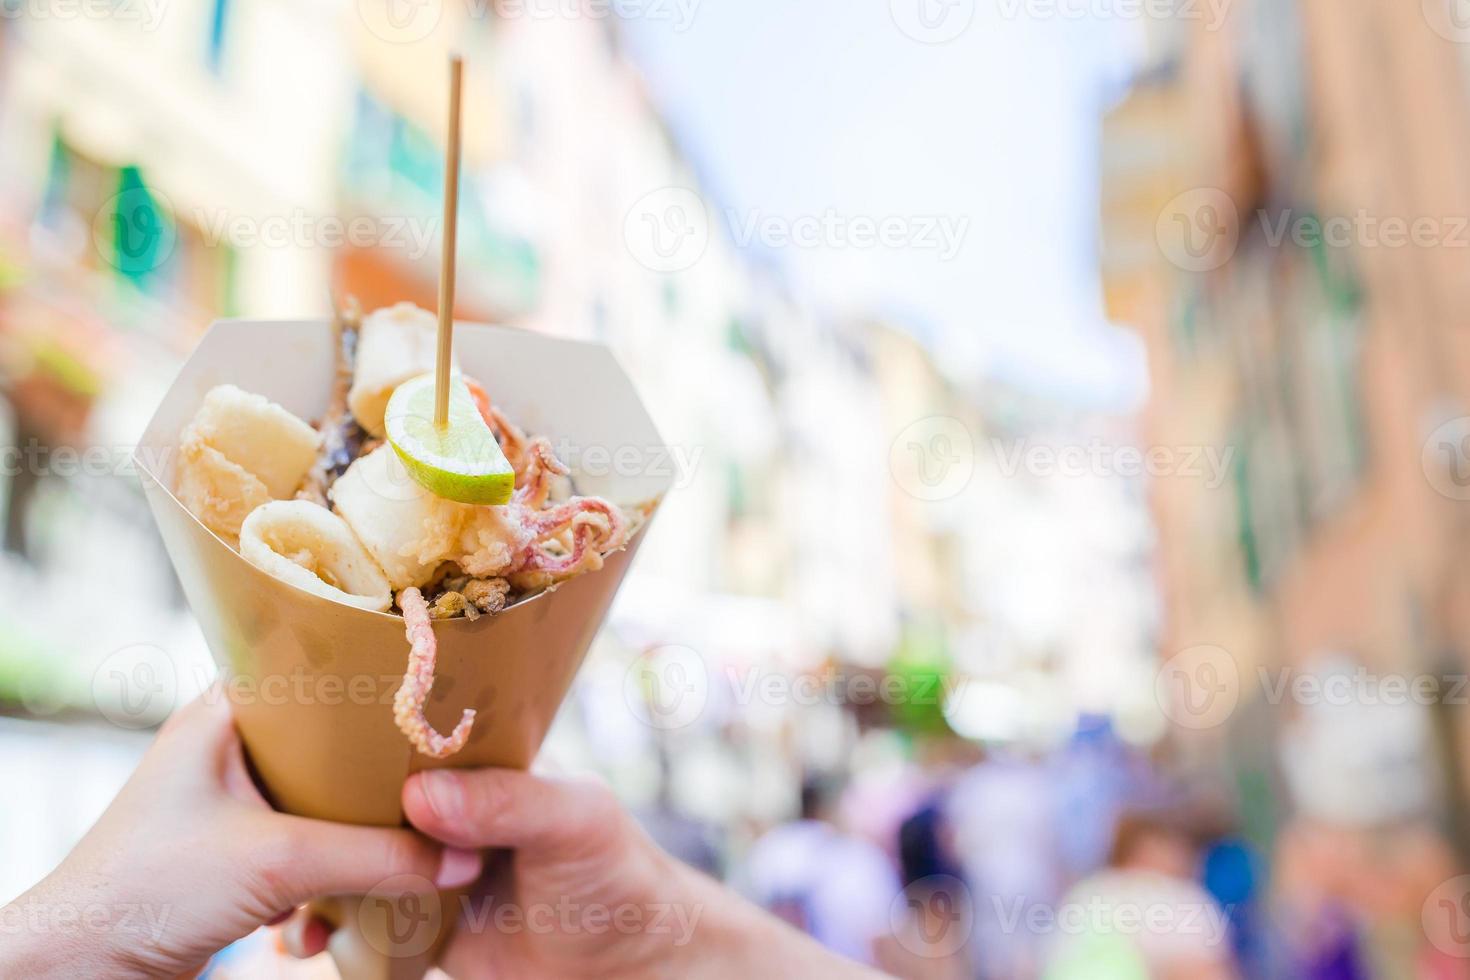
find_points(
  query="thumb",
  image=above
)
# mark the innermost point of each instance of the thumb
(316, 858)
(508, 808)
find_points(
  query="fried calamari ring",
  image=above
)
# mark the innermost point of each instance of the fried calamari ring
(310, 547)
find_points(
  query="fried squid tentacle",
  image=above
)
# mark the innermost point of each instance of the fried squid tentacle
(408, 703)
(520, 450)
(581, 514)
(597, 527)
(533, 483)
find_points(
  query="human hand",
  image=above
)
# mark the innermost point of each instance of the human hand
(189, 857)
(586, 893)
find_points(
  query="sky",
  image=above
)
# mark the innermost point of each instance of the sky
(984, 146)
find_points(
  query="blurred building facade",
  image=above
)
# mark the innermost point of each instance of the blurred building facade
(1283, 216)
(844, 511)
(217, 162)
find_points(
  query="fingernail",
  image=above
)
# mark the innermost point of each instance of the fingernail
(291, 937)
(458, 868)
(316, 935)
(441, 790)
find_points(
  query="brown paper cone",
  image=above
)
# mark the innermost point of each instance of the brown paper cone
(312, 680)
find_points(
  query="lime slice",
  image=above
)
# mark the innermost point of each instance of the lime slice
(461, 461)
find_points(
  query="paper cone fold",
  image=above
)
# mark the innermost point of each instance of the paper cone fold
(312, 680)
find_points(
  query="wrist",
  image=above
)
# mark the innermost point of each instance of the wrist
(732, 937)
(35, 943)
(57, 931)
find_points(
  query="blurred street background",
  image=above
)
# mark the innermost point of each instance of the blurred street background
(1068, 405)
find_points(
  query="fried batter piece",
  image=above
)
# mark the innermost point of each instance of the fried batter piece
(343, 440)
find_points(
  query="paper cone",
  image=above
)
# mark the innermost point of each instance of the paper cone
(314, 679)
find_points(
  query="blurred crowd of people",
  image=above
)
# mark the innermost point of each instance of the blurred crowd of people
(1092, 861)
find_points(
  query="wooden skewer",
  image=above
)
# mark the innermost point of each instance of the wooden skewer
(446, 262)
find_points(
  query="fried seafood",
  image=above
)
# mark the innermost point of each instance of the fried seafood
(363, 528)
(240, 451)
(410, 532)
(538, 548)
(513, 441)
(461, 595)
(393, 345)
(219, 492)
(408, 703)
(406, 529)
(342, 438)
(313, 549)
(449, 604)
(488, 595)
